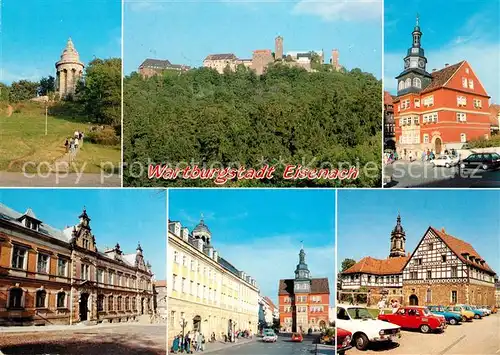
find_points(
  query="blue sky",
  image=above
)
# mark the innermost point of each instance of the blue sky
(126, 216)
(34, 33)
(367, 217)
(185, 32)
(260, 231)
(466, 29)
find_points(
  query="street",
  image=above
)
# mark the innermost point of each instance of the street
(88, 340)
(482, 336)
(423, 174)
(282, 347)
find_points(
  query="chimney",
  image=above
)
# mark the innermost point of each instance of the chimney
(447, 64)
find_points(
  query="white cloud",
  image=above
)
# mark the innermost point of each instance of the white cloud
(273, 258)
(346, 10)
(483, 57)
(16, 74)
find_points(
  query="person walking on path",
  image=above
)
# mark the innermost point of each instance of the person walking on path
(175, 345)
(66, 145)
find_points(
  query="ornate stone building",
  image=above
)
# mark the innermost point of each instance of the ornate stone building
(52, 276)
(303, 301)
(442, 270)
(69, 70)
(152, 67)
(205, 291)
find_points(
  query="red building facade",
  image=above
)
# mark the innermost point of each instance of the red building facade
(303, 301)
(437, 111)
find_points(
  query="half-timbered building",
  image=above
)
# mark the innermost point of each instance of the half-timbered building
(60, 276)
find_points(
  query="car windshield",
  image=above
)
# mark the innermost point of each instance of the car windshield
(268, 332)
(495, 156)
(359, 313)
(426, 312)
(468, 308)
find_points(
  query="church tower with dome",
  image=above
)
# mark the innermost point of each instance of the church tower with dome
(398, 240)
(69, 70)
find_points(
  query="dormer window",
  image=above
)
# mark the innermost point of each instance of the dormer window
(30, 221)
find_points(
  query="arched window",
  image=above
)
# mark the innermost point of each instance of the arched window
(401, 85)
(417, 83)
(16, 298)
(110, 303)
(463, 138)
(61, 299)
(41, 295)
(407, 83)
(428, 296)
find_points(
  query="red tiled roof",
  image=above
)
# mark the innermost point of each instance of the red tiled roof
(387, 98)
(161, 283)
(319, 285)
(369, 265)
(460, 247)
(441, 77)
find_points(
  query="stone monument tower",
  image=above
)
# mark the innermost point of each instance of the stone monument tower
(278, 48)
(69, 70)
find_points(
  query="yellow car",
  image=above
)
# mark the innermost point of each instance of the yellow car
(467, 316)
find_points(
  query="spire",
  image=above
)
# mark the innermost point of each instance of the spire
(70, 45)
(398, 238)
(417, 25)
(139, 249)
(302, 271)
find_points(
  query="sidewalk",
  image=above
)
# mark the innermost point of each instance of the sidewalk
(218, 345)
(69, 328)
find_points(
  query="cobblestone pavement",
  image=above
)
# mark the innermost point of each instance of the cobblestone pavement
(480, 337)
(110, 340)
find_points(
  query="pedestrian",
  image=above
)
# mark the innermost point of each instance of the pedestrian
(187, 343)
(66, 145)
(76, 134)
(381, 306)
(423, 155)
(198, 341)
(175, 345)
(76, 143)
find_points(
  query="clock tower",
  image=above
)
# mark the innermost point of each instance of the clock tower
(302, 282)
(414, 77)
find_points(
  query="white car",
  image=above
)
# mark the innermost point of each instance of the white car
(269, 336)
(485, 310)
(364, 327)
(445, 160)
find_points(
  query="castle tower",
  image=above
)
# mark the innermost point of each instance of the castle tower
(202, 232)
(335, 60)
(278, 48)
(69, 70)
(398, 240)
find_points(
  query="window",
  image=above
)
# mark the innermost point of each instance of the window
(461, 117)
(454, 271)
(43, 264)
(176, 256)
(430, 117)
(61, 299)
(417, 83)
(461, 101)
(418, 261)
(110, 303)
(431, 246)
(413, 275)
(119, 303)
(417, 103)
(443, 258)
(16, 298)
(85, 272)
(41, 295)
(416, 120)
(426, 138)
(134, 305)
(471, 84)
(467, 70)
(453, 296)
(100, 274)
(429, 274)
(405, 104)
(61, 267)
(478, 103)
(111, 278)
(428, 296)
(401, 85)
(183, 285)
(428, 101)
(193, 266)
(19, 258)
(100, 303)
(85, 243)
(463, 138)
(407, 83)
(184, 260)
(191, 288)
(464, 82)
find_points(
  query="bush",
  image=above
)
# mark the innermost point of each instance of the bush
(106, 136)
(494, 141)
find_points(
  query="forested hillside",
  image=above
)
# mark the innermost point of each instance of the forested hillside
(285, 116)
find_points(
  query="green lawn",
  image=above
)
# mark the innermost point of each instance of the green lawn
(23, 139)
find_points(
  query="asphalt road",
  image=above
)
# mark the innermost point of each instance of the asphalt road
(282, 347)
(122, 339)
(420, 174)
(480, 336)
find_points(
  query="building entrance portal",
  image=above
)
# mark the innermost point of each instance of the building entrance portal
(413, 300)
(438, 145)
(197, 323)
(84, 308)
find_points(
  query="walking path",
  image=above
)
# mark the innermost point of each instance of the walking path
(62, 179)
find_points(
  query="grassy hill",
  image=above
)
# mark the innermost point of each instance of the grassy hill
(23, 139)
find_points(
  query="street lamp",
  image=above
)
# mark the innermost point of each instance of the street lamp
(183, 323)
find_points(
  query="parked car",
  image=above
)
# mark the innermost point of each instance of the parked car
(493, 309)
(445, 160)
(450, 317)
(477, 313)
(297, 337)
(483, 309)
(467, 315)
(484, 161)
(269, 336)
(414, 317)
(343, 341)
(365, 328)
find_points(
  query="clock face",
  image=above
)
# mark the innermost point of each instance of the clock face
(421, 63)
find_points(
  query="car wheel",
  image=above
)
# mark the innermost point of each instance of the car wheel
(477, 316)
(464, 319)
(447, 165)
(453, 321)
(361, 342)
(424, 328)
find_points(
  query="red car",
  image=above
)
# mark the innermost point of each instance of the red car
(297, 337)
(343, 341)
(414, 317)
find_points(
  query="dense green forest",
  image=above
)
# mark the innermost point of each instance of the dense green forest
(285, 116)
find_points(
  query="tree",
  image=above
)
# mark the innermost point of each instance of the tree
(4, 92)
(346, 264)
(101, 94)
(288, 58)
(47, 85)
(23, 90)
